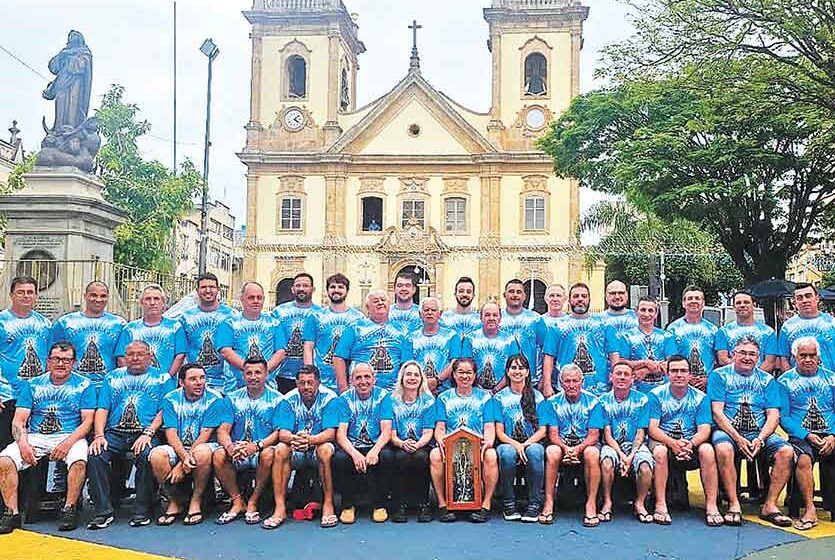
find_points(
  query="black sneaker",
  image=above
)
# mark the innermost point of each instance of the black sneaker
(480, 516)
(531, 514)
(139, 521)
(68, 519)
(424, 514)
(9, 522)
(100, 522)
(446, 516)
(401, 515)
(510, 513)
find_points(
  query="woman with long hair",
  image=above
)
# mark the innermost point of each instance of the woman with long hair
(414, 419)
(520, 434)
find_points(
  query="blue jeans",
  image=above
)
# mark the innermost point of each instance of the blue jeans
(99, 470)
(534, 473)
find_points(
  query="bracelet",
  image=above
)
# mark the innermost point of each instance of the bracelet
(259, 446)
(149, 432)
(97, 436)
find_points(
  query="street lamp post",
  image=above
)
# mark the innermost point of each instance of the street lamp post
(211, 51)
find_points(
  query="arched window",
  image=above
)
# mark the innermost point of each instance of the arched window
(538, 295)
(283, 292)
(296, 77)
(344, 92)
(372, 213)
(536, 74)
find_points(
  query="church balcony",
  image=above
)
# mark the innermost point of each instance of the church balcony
(298, 5)
(533, 4)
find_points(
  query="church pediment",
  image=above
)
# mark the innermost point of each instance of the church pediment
(413, 119)
(411, 240)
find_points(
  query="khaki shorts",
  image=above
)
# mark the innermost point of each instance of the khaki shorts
(43, 446)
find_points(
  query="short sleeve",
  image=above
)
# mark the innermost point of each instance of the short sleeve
(440, 411)
(772, 394)
(643, 415)
(310, 328)
(219, 411)
(597, 420)
(545, 411)
(427, 419)
(611, 341)
(330, 415)
(223, 337)
(704, 415)
(279, 336)
(346, 343)
(105, 393)
(716, 387)
(488, 411)
(180, 342)
(169, 416)
(88, 397)
(769, 343)
(669, 345)
(386, 408)
(24, 395)
(552, 341)
(721, 340)
(653, 407)
(342, 411)
(783, 343)
(283, 417)
(121, 344)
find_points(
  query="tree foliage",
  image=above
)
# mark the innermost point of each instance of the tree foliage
(717, 144)
(153, 195)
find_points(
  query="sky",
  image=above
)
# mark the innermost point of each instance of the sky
(133, 41)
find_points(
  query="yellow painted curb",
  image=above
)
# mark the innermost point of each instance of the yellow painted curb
(26, 545)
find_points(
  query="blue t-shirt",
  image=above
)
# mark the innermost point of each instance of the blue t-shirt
(324, 330)
(822, 328)
(808, 402)
(473, 411)
(657, 346)
(410, 419)
(620, 322)
(252, 419)
(434, 352)
(406, 320)
(461, 323)
(290, 319)
(625, 417)
(133, 401)
(199, 329)
(508, 412)
(94, 340)
(529, 329)
(190, 417)
(167, 340)
(574, 420)
(490, 354)
(363, 417)
(295, 416)
(383, 347)
(249, 338)
(696, 342)
(746, 397)
(727, 336)
(24, 345)
(587, 343)
(56, 409)
(679, 418)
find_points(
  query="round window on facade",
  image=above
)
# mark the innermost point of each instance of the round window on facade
(414, 130)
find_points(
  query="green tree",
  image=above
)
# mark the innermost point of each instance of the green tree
(153, 195)
(749, 166)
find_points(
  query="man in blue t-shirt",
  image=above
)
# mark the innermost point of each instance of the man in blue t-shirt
(525, 325)
(128, 416)
(808, 416)
(24, 341)
(574, 418)
(322, 331)
(745, 402)
(290, 318)
(364, 413)
(617, 314)
(251, 334)
(490, 347)
(695, 336)
(308, 422)
(190, 416)
(809, 321)
(462, 318)
(93, 332)
(199, 325)
(245, 440)
(680, 423)
(405, 313)
(373, 340)
(164, 335)
(743, 302)
(433, 346)
(646, 347)
(53, 417)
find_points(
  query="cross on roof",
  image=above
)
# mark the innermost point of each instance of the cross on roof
(414, 62)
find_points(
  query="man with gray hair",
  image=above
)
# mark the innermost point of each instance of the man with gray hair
(809, 419)
(433, 346)
(164, 335)
(373, 340)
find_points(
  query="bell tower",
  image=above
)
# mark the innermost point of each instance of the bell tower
(535, 47)
(304, 72)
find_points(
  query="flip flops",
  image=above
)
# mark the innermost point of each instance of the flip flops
(167, 519)
(271, 523)
(546, 518)
(329, 521)
(661, 517)
(193, 518)
(604, 516)
(591, 521)
(805, 524)
(714, 519)
(643, 516)
(733, 518)
(252, 517)
(776, 518)
(227, 517)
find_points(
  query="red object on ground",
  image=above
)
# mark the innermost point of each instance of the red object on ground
(308, 512)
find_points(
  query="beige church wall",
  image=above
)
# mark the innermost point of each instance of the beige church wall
(477, 120)
(559, 74)
(273, 73)
(268, 192)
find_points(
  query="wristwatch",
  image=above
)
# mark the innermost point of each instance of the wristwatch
(259, 446)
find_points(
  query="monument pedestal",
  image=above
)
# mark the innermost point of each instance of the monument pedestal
(60, 230)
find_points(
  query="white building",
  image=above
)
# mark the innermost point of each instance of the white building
(220, 252)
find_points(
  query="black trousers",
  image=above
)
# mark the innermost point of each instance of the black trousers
(409, 475)
(347, 480)
(6, 417)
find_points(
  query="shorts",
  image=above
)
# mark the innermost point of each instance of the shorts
(689, 465)
(773, 443)
(803, 447)
(307, 459)
(43, 446)
(641, 456)
(248, 464)
(173, 459)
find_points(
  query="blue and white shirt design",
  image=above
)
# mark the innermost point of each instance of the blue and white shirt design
(94, 340)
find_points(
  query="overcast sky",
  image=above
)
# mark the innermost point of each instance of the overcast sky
(132, 44)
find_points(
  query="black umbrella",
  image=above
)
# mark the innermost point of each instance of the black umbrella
(772, 288)
(827, 293)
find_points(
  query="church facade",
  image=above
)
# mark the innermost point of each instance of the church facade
(413, 180)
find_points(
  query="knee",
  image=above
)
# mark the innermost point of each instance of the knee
(324, 452)
(202, 454)
(784, 456)
(553, 454)
(266, 456)
(435, 457)
(591, 454)
(724, 451)
(282, 451)
(218, 457)
(659, 453)
(491, 458)
(804, 463)
(535, 452)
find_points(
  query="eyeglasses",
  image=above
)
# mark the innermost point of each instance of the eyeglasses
(60, 360)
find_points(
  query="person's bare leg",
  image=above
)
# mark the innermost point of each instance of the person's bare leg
(642, 483)
(710, 477)
(9, 483)
(727, 474)
(662, 473)
(490, 474)
(161, 468)
(553, 458)
(436, 472)
(262, 474)
(780, 473)
(324, 453)
(203, 457)
(76, 476)
(607, 480)
(806, 485)
(225, 473)
(281, 476)
(591, 467)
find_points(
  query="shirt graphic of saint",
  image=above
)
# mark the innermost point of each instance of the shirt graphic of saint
(295, 349)
(412, 433)
(697, 366)
(429, 369)
(744, 421)
(677, 430)
(813, 419)
(207, 356)
(488, 377)
(248, 429)
(254, 352)
(328, 358)
(188, 437)
(129, 422)
(91, 362)
(623, 433)
(154, 360)
(31, 366)
(380, 359)
(571, 438)
(582, 359)
(519, 430)
(364, 438)
(51, 423)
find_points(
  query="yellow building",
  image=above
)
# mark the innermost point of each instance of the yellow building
(412, 180)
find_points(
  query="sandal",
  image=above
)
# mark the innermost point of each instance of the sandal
(546, 518)
(329, 521)
(227, 517)
(252, 517)
(593, 521)
(604, 516)
(643, 516)
(714, 519)
(662, 517)
(167, 519)
(271, 523)
(193, 518)
(733, 518)
(776, 518)
(805, 524)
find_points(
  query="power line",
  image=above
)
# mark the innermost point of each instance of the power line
(23, 62)
(170, 141)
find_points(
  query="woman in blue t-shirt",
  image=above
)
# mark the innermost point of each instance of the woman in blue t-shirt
(414, 419)
(519, 434)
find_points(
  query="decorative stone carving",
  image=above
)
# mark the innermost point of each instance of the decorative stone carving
(456, 185)
(414, 185)
(286, 267)
(535, 183)
(372, 184)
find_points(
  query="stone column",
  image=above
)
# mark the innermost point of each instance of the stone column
(494, 128)
(331, 127)
(489, 266)
(250, 268)
(334, 260)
